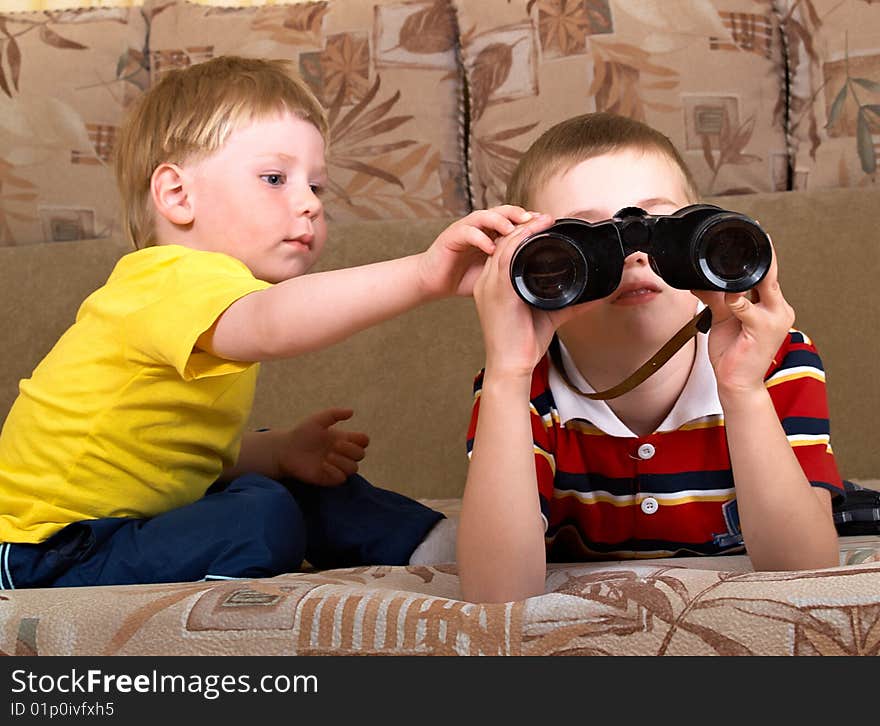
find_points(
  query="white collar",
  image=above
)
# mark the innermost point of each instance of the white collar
(699, 398)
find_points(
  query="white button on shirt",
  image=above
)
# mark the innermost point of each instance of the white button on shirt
(646, 451)
(649, 505)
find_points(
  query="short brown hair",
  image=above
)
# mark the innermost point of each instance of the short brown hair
(577, 139)
(191, 112)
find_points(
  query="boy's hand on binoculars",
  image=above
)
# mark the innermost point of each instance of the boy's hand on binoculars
(515, 334)
(746, 333)
(451, 265)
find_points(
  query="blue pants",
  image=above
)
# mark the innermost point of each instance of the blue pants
(252, 527)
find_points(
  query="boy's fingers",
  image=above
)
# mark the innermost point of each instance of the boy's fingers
(331, 416)
(738, 303)
(515, 214)
(490, 220)
(713, 300)
(773, 271)
(717, 303)
(358, 438)
(768, 290)
(333, 475)
(504, 219)
(536, 224)
(749, 315)
(350, 450)
(475, 237)
(342, 463)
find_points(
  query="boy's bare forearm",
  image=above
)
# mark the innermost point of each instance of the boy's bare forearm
(786, 522)
(501, 552)
(257, 455)
(315, 311)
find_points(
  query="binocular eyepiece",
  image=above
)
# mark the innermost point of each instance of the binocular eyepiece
(699, 247)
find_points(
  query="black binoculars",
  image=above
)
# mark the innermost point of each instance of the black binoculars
(699, 247)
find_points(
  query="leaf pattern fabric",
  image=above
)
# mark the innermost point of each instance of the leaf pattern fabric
(386, 71)
(399, 76)
(714, 82)
(834, 57)
(66, 78)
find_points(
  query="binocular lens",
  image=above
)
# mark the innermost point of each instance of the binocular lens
(549, 271)
(731, 251)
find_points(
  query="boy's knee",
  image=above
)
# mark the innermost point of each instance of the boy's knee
(272, 526)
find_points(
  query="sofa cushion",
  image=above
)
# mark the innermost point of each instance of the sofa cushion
(670, 607)
(385, 70)
(65, 81)
(710, 76)
(834, 56)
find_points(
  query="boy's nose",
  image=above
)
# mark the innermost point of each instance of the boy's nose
(309, 205)
(636, 258)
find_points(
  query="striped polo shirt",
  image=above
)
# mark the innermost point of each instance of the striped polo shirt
(607, 493)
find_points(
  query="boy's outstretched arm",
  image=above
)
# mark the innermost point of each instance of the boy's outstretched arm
(317, 310)
(787, 524)
(314, 451)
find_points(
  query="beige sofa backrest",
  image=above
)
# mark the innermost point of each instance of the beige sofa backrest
(409, 380)
(432, 101)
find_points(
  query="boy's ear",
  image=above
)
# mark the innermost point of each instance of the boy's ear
(170, 194)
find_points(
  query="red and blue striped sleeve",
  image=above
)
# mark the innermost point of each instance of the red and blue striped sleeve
(542, 424)
(796, 383)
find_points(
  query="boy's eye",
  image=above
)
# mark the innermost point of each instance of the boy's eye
(273, 179)
(317, 189)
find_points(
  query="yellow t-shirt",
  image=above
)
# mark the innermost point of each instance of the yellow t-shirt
(123, 417)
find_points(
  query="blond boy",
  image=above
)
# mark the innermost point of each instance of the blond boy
(124, 458)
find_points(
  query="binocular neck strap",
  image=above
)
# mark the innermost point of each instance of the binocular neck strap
(699, 324)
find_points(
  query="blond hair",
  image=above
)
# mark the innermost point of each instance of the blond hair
(191, 112)
(577, 139)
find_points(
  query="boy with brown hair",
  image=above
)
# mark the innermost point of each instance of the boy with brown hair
(725, 447)
(124, 457)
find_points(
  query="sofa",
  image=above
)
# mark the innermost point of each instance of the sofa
(430, 103)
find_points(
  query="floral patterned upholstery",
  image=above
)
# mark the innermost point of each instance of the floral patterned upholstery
(65, 81)
(834, 57)
(433, 101)
(708, 73)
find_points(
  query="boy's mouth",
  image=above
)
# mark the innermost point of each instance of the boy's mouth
(304, 240)
(635, 292)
